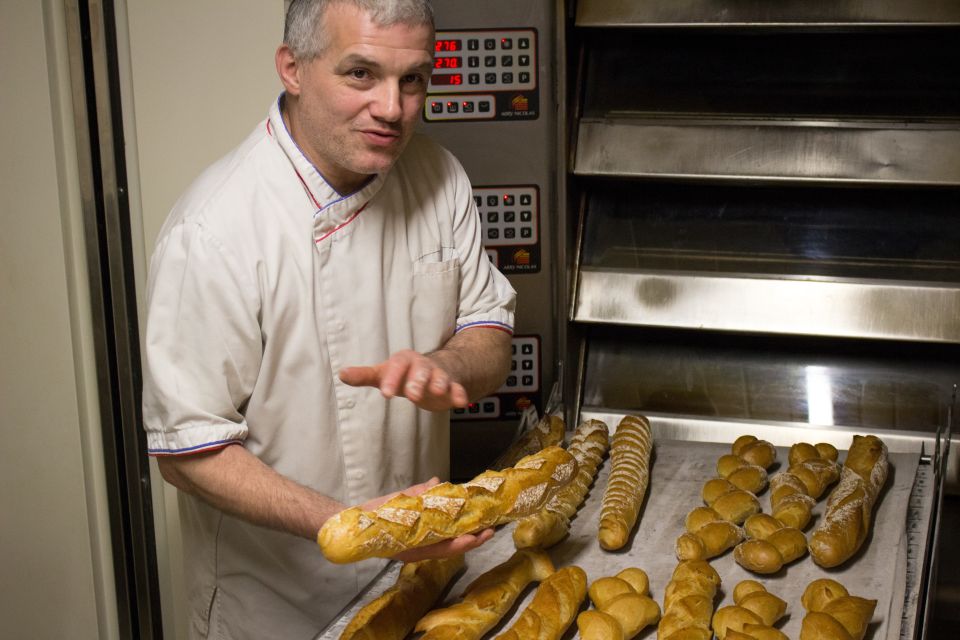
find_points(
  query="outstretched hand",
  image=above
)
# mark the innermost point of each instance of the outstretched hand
(413, 376)
(442, 549)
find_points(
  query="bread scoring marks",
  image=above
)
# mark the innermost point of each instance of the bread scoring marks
(563, 472)
(449, 506)
(528, 499)
(405, 517)
(530, 463)
(487, 483)
(363, 522)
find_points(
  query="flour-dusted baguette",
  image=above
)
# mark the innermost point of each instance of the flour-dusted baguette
(630, 451)
(447, 510)
(834, 614)
(846, 523)
(549, 525)
(553, 607)
(393, 615)
(546, 433)
(487, 598)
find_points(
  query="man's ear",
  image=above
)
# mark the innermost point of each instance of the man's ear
(288, 69)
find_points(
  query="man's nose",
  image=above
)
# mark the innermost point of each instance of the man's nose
(386, 105)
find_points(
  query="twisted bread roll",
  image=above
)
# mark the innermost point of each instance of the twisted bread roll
(549, 525)
(771, 546)
(487, 598)
(754, 451)
(553, 607)
(707, 536)
(546, 433)
(846, 523)
(832, 613)
(447, 510)
(795, 491)
(755, 608)
(742, 474)
(688, 602)
(627, 485)
(393, 614)
(623, 607)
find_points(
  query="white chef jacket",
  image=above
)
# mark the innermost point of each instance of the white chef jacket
(264, 283)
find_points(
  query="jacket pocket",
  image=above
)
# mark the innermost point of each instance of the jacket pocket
(436, 298)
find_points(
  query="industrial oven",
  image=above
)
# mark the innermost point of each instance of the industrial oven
(730, 217)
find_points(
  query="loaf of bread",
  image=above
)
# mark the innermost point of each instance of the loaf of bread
(487, 598)
(707, 535)
(393, 615)
(549, 525)
(771, 545)
(849, 510)
(447, 510)
(553, 608)
(623, 607)
(630, 451)
(742, 474)
(793, 492)
(754, 451)
(546, 433)
(688, 602)
(731, 503)
(754, 613)
(834, 614)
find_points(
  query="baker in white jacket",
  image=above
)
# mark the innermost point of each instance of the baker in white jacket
(318, 300)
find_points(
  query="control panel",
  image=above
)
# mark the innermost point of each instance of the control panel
(510, 222)
(519, 392)
(484, 74)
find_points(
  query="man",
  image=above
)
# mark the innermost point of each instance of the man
(332, 237)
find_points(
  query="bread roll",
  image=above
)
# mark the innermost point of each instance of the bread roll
(553, 607)
(393, 615)
(688, 602)
(625, 600)
(754, 451)
(755, 608)
(834, 614)
(487, 598)
(846, 523)
(627, 485)
(707, 536)
(549, 525)
(771, 546)
(447, 510)
(546, 433)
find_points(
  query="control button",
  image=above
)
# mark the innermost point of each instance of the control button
(528, 381)
(453, 107)
(509, 216)
(473, 407)
(526, 349)
(513, 349)
(493, 234)
(492, 201)
(473, 78)
(473, 61)
(478, 200)
(468, 107)
(507, 77)
(527, 365)
(508, 200)
(490, 61)
(509, 233)
(511, 381)
(473, 44)
(506, 43)
(493, 217)
(525, 198)
(525, 216)
(459, 412)
(523, 43)
(489, 407)
(526, 232)
(436, 107)
(523, 61)
(513, 365)
(506, 61)
(484, 106)
(490, 78)
(489, 44)
(524, 77)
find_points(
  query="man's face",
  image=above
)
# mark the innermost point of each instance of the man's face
(357, 103)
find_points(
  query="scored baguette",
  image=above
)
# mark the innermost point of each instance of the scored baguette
(393, 615)
(846, 523)
(553, 607)
(627, 484)
(447, 510)
(546, 433)
(549, 525)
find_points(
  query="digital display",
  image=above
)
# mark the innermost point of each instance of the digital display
(447, 78)
(441, 62)
(448, 45)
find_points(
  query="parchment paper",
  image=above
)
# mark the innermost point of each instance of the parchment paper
(678, 472)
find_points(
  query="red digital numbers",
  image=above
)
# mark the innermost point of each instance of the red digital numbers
(447, 78)
(447, 45)
(447, 63)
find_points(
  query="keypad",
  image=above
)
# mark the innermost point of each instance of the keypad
(460, 107)
(504, 61)
(524, 366)
(484, 408)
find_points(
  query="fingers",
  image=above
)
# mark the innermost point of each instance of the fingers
(411, 375)
(361, 376)
(453, 547)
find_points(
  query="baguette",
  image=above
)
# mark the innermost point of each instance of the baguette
(833, 614)
(846, 523)
(754, 614)
(546, 433)
(688, 602)
(553, 608)
(447, 510)
(623, 607)
(549, 525)
(630, 451)
(486, 599)
(393, 615)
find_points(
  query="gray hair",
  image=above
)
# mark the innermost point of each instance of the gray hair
(305, 34)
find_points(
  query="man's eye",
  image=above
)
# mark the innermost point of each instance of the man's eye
(359, 74)
(413, 78)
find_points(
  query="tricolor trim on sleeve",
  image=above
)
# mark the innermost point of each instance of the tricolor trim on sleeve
(489, 324)
(199, 448)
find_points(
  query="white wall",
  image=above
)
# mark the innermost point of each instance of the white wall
(56, 580)
(197, 75)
